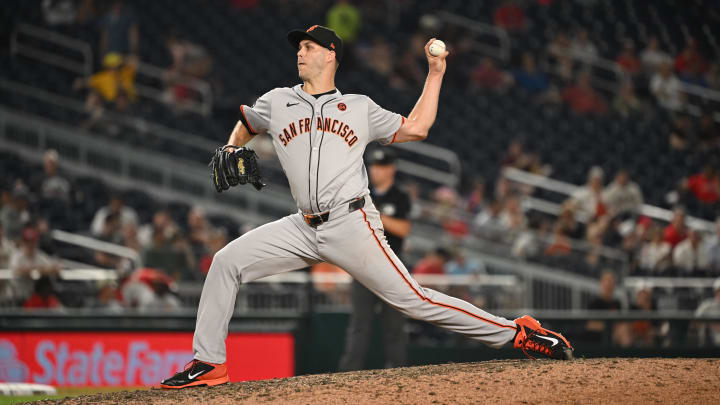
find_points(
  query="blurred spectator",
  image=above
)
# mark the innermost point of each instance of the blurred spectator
(59, 12)
(43, 296)
(490, 216)
(7, 249)
(569, 224)
(487, 76)
(704, 186)
(581, 47)
(689, 59)
(641, 333)
(564, 69)
(690, 256)
(708, 133)
(665, 86)
(627, 60)
(582, 98)
(530, 242)
(676, 231)
(559, 46)
(198, 231)
(107, 299)
(560, 244)
(112, 87)
(510, 16)
(148, 289)
(28, 261)
(709, 332)
(119, 32)
(52, 185)
(654, 257)
(345, 19)
(623, 196)
(116, 205)
(588, 201)
(161, 222)
(712, 250)
(217, 239)
(529, 77)
(170, 252)
(433, 262)
(111, 233)
(653, 57)
(626, 102)
(17, 213)
(512, 216)
(462, 265)
(475, 200)
(680, 132)
(515, 155)
(712, 76)
(189, 60)
(605, 302)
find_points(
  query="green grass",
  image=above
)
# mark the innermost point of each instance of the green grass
(65, 392)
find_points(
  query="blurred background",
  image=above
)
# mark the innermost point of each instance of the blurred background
(572, 173)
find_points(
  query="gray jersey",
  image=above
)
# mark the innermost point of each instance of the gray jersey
(320, 141)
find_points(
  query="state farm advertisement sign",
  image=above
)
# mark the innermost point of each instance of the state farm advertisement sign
(133, 358)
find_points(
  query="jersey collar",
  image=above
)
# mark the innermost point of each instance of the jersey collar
(309, 97)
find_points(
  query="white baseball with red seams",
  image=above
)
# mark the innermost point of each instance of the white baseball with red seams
(436, 48)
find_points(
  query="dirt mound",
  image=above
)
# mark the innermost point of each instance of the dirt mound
(627, 381)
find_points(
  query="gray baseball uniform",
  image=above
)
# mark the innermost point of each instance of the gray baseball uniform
(320, 143)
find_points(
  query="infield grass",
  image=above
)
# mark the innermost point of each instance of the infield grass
(65, 392)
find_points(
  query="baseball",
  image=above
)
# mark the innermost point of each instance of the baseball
(437, 47)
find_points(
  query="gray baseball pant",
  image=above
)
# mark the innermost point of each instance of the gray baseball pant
(353, 241)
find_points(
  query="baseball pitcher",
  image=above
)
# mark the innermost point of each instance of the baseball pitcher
(319, 135)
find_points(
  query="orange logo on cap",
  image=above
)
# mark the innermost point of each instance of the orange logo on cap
(332, 45)
(311, 28)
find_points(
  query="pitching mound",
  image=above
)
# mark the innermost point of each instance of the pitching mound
(627, 381)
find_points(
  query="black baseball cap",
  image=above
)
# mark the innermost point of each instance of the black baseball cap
(382, 156)
(321, 35)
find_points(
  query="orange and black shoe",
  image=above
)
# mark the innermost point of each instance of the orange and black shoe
(531, 337)
(197, 374)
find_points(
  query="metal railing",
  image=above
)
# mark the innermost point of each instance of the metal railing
(161, 176)
(97, 245)
(18, 46)
(499, 50)
(567, 189)
(26, 38)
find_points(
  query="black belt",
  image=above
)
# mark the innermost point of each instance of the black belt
(317, 219)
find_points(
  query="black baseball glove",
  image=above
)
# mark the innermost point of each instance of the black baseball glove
(232, 168)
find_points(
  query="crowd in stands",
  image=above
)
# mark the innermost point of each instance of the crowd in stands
(560, 73)
(176, 244)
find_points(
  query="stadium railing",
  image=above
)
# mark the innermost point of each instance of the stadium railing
(49, 47)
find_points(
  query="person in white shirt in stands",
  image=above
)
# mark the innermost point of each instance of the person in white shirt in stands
(689, 256)
(665, 86)
(710, 307)
(588, 200)
(655, 254)
(116, 205)
(623, 195)
(712, 250)
(653, 57)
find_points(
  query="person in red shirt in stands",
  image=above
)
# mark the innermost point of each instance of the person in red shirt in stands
(627, 60)
(433, 262)
(510, 16)
(44, 296)
(705, 186)
(690, 59)
(582, 98)
(676, 231)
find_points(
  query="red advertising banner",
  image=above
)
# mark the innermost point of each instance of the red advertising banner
(133, 358)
